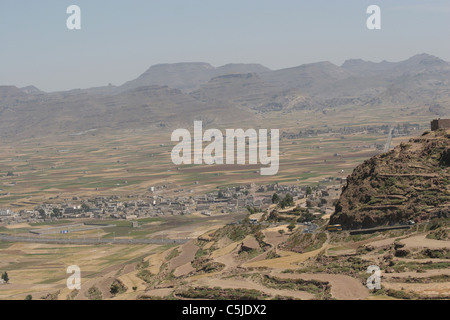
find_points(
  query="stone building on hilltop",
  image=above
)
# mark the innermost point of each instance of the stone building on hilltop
(440, 124)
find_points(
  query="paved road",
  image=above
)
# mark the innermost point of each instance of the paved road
(9, 238)
(311, 228)
(379, 229)
(387, 146)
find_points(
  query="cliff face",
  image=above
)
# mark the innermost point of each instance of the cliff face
(410, 182)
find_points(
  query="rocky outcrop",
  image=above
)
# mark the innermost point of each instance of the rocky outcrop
(410, 182)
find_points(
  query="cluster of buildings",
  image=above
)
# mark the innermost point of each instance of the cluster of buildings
(5, 212)
(156, 203)
(405, 129)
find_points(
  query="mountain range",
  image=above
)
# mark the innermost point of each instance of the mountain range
(170, 95)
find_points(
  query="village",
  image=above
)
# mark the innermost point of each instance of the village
(167, 200)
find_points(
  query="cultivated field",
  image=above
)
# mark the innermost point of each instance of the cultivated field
(129, 162)
(111, 163)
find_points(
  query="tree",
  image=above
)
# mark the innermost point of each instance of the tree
(306, 217)
(5, 277)
(42, 213)
(10, 174)
(289, 200)
(275, 198)
(114, 289)
(29, 297)
(259, 236)
(274, 216)
(291, 226)
(308, 190)
(57, 212)
(85, 207)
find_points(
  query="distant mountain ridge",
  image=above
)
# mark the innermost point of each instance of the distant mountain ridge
(174, 94)
(188, 76)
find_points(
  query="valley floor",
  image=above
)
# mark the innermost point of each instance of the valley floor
(413, 266)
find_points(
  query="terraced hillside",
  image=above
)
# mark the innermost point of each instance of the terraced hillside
(410, 182)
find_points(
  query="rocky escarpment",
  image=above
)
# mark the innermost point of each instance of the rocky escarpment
(410, 182)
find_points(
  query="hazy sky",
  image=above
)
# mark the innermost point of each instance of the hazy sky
(119, 40)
